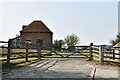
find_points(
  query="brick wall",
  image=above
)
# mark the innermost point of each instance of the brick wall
(45, 37)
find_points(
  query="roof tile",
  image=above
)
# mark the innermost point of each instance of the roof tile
(36, 26)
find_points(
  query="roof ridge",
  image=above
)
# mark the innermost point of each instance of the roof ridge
(42, 28)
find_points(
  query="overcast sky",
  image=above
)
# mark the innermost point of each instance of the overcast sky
(95, 22)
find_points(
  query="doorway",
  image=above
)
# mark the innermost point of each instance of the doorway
(39, 41)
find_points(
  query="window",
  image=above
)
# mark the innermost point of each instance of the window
(29, 41)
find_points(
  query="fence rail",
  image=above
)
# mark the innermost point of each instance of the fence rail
(3, 47)
(3, 42)
(10, 50)
(92, 50)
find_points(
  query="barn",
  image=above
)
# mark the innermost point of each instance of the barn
(36, 31)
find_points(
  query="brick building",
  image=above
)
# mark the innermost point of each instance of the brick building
(36, 31)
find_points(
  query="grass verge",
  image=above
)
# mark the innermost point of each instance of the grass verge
(16, 64)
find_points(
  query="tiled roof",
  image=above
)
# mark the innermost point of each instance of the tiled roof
(36, 26)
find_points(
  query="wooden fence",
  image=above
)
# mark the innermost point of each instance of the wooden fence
(93, 51)
(102, 52)
(26, 52)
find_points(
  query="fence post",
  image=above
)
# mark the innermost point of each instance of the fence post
(26, 52)
(39, 50)
(113, 54)
(91, 55)
(119, 54)
(9, 50)
(101, 55)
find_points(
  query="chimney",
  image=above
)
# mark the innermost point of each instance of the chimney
(24, 26)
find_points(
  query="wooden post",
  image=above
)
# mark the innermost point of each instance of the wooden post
(119, 54)
(39, 50)
(51, 48)
(26, 52)
(9, 50)
(113, 54)
(91, 55)
(101, 55)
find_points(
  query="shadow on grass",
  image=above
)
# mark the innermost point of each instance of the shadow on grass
(16, 65)
(112, 63)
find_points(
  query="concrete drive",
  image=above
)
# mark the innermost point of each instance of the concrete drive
(64, 68)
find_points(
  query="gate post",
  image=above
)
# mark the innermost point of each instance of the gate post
(39, 50)
(51, 49)
(113, 54)
(119, 54)
(91, 55)
(27, 52)
(9, 50)
(101, 55)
